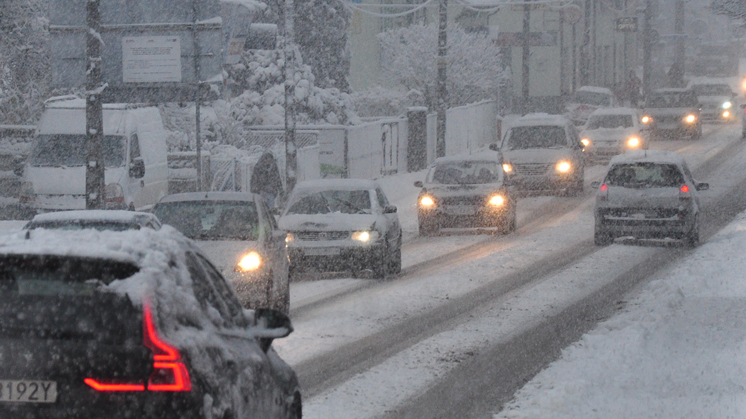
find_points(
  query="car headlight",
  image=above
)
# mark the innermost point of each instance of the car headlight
(497, 200)
(633, 142)
(646, 119)
(290, 237)
(427, 201)
(586, 142)
(507, 167)
(689, 119)
(564, 166)
(727, 105)
(365, 236)
(726, 114)
(250, 262)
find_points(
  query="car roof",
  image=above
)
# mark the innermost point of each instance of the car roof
(538, 119)
(209, 196)
(596, 89)
(483, 156)
(671, 90)
(343, 184)
(95, 215)
(615, 111)
(648, 156)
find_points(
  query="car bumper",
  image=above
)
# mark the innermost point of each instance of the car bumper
(334, 258)
(672, 227)
(543, 184)
(462, 216)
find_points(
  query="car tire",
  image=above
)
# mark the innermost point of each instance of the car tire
(691, 239)
(381, 264)
(602, 239)
(507, 222)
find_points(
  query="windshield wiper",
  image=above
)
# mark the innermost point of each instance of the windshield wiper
(351, 205)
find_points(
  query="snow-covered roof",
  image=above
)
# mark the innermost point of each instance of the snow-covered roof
(671, 90)
(74, 102)
(340, 184)
(209, 196)
(595, 89)
(648, 156)
(483, 156)
(534, 119)
(94, 215)
(615, 111)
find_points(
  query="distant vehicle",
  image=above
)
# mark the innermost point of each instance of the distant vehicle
(673, 113)
(648, 194)
(132, 324)
(239, 234)
(716, 100)
(94, 219)
(586, 100)
(465, 192)
(342, 224)
(613, 131)
(543, 154)
(135, 157)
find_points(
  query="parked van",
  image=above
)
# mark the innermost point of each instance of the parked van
(135, 157)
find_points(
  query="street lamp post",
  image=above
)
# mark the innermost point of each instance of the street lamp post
(441, 88)
(291, 151)
(94, 113)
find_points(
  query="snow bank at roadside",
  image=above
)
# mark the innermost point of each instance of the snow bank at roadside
(677, 350)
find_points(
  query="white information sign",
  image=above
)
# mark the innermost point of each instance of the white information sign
(151, 59)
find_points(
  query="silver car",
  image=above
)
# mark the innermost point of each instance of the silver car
(613, 131)
(239, 235)
(342, 224)
(648, 194)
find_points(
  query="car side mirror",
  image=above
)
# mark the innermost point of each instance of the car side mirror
(137, 168)
(270, 325)
(595, 184)
(389, 209)
(419, 184)
(702, 186)
(494, 147)
(742, 106)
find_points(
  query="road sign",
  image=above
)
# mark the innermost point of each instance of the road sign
(626, 24)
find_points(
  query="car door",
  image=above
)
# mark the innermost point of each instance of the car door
(274, 242)
(392, 220)
(261, 392)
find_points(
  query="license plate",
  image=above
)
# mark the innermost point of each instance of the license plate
(322, 251)
(28, 391)
(462, 210)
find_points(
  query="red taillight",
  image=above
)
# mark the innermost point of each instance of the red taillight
(684, 192)
(166, 376)
(169, 373)
(604, 188)
(684, 189)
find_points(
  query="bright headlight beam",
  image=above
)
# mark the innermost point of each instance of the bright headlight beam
(727, 105)
(507, 168)
(361, 236)
(497, 200)
(563, 166)
(690, 118)
(250, 262)
(426, 201)
(586, 142)
(646, 119)
(633, 142)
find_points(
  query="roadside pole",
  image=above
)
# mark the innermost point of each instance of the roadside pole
(441, 87)
(525, 67)
(291, 151)
(197, 98)
(680, 51)
(95, 186)
(647, 48)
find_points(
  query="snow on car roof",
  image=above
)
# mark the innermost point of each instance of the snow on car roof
(595, 89)
(533, 119)
(615, 111)
(341, 184)
(671, 90)
(648, 156)
(93, 215)
(482, 156)
(209, 196)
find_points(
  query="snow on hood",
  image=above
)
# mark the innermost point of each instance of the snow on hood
(461, 190)
(326, 222)
(537, 155)
(608, 133)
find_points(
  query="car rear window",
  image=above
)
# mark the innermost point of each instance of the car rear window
(539, 136)
(644, 175)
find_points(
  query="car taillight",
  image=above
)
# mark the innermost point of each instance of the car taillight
(169, 373)
(684, 192)
(603, 188)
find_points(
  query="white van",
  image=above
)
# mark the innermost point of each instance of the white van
(135, 157)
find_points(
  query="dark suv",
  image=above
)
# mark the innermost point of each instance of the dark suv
(134, 324)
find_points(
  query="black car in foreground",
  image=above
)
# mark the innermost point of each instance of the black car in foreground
(465, 192)
(134, 324)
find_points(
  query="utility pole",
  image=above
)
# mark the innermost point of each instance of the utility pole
(95, 186)
(198, 97)
(677, 76)
(441, 88)
(584, 53)
(647, 48)
(291, 151)
(525, 68)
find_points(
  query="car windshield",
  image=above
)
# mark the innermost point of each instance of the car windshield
(464, 172)
(69, 150)
(591, 98)
(84, 224)
(672, 100)
(644, 175)
(211, 220)
(712, 90)
(331, 202)
(550, 136)
(610, 121)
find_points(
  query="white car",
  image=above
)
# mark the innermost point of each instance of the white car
(586, 100)
(238, 233)
(648, 194)
(717, 101)
(342, 224)
(96, 219)
(613, 131)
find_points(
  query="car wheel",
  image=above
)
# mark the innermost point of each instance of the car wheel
(691, 239)
(602, 239)
(380, 264)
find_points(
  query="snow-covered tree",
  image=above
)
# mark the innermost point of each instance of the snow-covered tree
(474, 67)
(735, 9)
(24, 60)
(321, 33)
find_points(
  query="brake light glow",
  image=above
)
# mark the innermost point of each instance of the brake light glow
(166, 376)
(99, 386)
(684, 189)
(604, 188)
